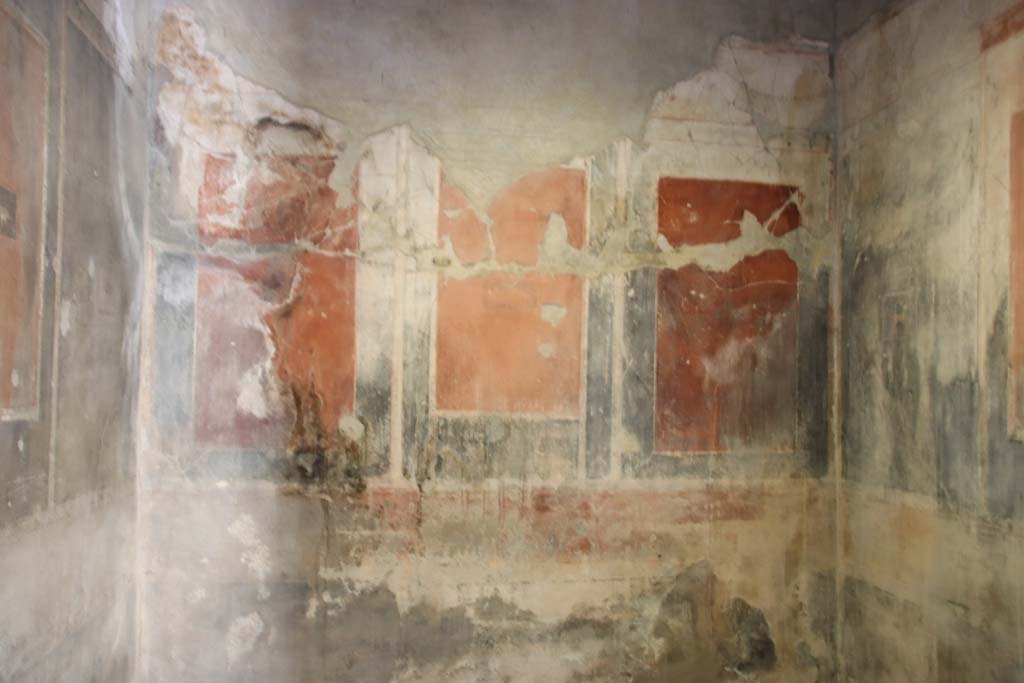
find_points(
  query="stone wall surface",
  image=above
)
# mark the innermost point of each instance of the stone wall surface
(469, 360)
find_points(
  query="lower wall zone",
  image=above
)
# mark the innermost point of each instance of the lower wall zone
(499, 583)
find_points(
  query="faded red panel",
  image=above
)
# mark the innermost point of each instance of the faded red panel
(726, 357)
(511, 343)
(314, 335)
(495, 351)
(570, 523)
(238, 401)
(23, 109)
(606, 522)
(562, 523)
(693, 211)
(273, 200)
(271, 333)
(1003, 27)
(1016, 355)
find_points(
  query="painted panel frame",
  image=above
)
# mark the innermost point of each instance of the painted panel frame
(727, 341)
(24, 69)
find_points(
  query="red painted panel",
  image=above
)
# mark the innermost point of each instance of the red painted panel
(511, 343)
(289, 321)
(314, 335)
(692, 211)
(520, 214)
(1016, 355)
(726, 341)
(23, 108)
(495, 353)
(726, 357)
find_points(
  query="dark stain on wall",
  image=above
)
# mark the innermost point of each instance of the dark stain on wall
(954, 426)
(814, 378)
(931, 422)
(1005, 497)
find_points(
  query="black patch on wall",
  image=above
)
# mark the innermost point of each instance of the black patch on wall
(1005, 484)
(872, 615)
(8, 214)
(954, 422)
(599, 377)
(94, 407)
(901, 379)
(373, 402)
(813, 374)
(171, 367)
(638, 366)
(751, 647)
(416, 371)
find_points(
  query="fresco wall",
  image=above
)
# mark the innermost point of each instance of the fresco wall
(491, 365)
(417, 409)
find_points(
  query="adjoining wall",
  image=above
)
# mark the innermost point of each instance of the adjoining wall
(453, 399)
(71, 202)
(932, 466)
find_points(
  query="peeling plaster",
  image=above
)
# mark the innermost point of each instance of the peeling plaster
(489, 110)
(206, 108)
(256, 555)
(242, 636)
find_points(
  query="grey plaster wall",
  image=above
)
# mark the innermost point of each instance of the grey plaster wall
(67, 476)
(932, 479)
(497, 88)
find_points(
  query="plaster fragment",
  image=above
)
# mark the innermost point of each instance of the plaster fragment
(256, 555)
(242, 636)
(553, 314)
